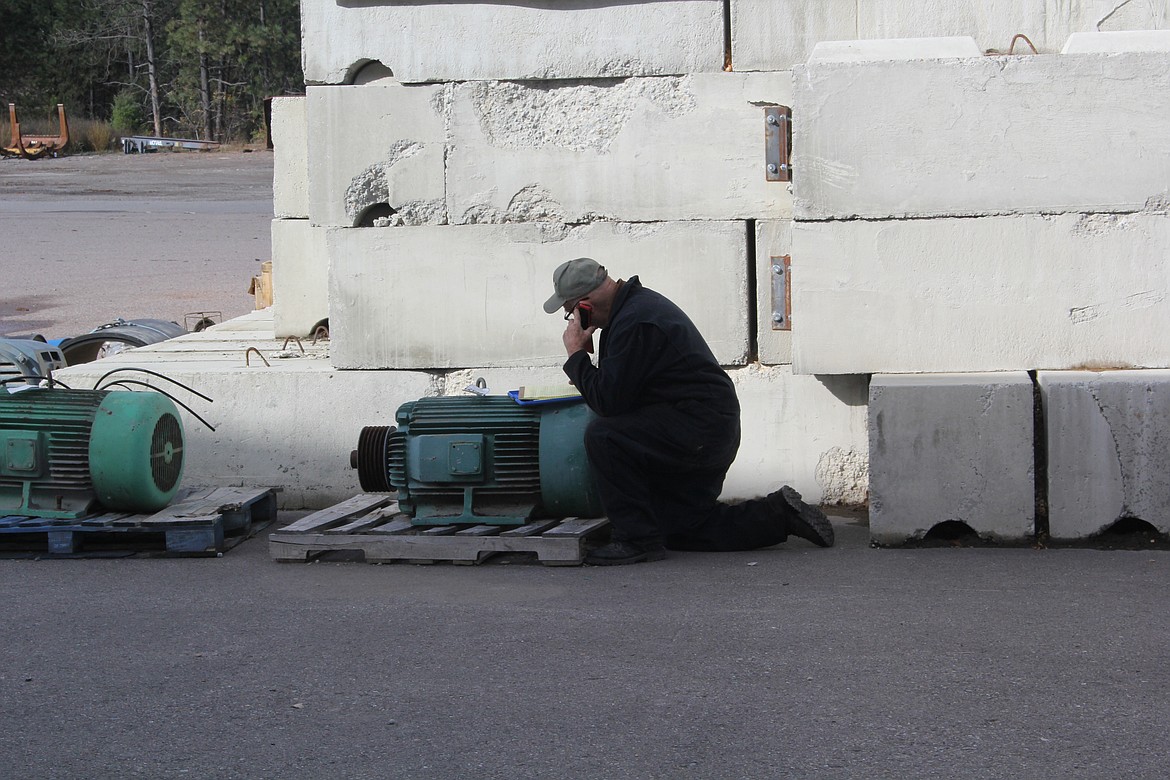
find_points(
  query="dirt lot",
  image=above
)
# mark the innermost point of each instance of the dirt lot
(90, 238)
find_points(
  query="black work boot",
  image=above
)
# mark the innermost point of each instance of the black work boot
(621, 553)
(801, 519)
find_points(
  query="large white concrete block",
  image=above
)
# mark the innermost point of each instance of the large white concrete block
(777, 34)
(460, 296)
(1108, 450)
(774, 291)
(951, 448)
(987, 294)
(290, 165)
(630, 150)
(377, 144)
(1117, 42)
(990, 135)
(423, 42)
(300, 277)
(808, 432)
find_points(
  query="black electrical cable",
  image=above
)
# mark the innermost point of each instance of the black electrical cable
(127, 382)
(97, 385)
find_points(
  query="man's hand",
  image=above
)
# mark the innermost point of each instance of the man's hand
(577, 339)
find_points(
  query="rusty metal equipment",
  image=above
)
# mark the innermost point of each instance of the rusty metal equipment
(30, 147)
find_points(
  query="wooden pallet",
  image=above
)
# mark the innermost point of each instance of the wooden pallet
(207, 521)
(372, 525)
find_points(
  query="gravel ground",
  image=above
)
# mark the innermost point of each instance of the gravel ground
(90, 238)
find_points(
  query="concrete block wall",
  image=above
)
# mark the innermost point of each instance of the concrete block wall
(951, 448)
(386, 285)
(989, 213)
(500, 134)
(1108, 450)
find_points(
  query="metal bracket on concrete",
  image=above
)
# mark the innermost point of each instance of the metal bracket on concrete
(780, 270)
(777, 143)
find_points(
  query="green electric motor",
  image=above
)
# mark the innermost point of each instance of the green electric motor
(481, 459)
(64, 452)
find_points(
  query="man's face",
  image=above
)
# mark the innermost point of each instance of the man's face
(599, 299)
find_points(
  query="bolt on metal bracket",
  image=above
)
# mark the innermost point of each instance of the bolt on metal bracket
(777, 143)
(781, 271)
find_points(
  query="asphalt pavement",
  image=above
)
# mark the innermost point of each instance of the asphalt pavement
(790, 662)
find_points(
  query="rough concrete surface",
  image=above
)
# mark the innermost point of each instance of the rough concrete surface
(633, 150)
(523, 39)
(377, 144)
(1108, 445)
(471, 295)
(300, 268)
(290, 141)
(982, 135)
(951, 448)
(983, 294)
(89, 238)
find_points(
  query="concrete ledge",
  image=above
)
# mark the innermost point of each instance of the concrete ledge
(1108, 450)
(630, 150)
(300, 277)
(1117, 42)
(377, 144)
(982, 136)
(290, 172)
(988, 294)
(458, 296)
(293, 423)
(951, 448)
(425, 42)
(900, 49)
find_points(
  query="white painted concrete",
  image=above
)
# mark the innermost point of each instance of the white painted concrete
(1108, 450)
(808, 432)
(986, 294)
(774, 35)
(290, 170)
(374, 144)
(300, 277)
(773, 240)
(894, 49)
(461, 296)
(1117, 42)
(951, 448)
(991, 135)
(632, 150)
(422, 42)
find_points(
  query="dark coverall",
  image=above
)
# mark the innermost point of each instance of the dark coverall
(667, 431)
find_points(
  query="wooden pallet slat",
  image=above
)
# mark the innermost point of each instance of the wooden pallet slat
(338, 514)
(208, 522)
(383, 535)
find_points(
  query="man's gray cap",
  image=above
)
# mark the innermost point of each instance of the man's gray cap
(574, 279)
